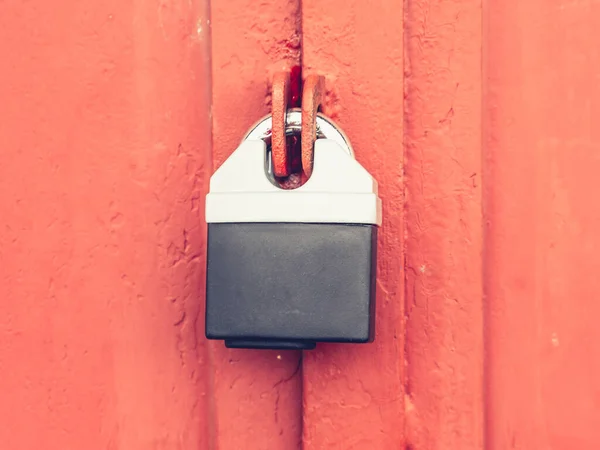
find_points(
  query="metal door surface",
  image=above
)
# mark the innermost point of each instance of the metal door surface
(478, 119)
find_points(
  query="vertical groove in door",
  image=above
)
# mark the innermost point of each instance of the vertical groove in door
(354, 394)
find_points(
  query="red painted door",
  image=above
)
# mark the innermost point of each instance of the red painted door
(477, 119)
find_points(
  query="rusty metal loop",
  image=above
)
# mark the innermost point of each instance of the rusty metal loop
(279, 98)
(325, 129)
(313, 95)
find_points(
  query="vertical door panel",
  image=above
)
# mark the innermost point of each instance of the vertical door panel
(444, 303)
(104, 130)
(256, 393)
(354, 394)
(542, 217)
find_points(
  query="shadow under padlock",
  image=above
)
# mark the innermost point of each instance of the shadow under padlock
(289, 268)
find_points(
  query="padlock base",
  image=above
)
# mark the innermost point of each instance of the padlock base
(270, 345)
(290, 285)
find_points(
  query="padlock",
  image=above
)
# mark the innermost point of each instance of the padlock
(289, 268)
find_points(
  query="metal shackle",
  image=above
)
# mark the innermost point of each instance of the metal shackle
(326, 129)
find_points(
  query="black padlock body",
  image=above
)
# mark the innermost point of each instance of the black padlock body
(290, 285)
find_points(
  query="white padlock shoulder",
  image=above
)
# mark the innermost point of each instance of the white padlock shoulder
(340, 190)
